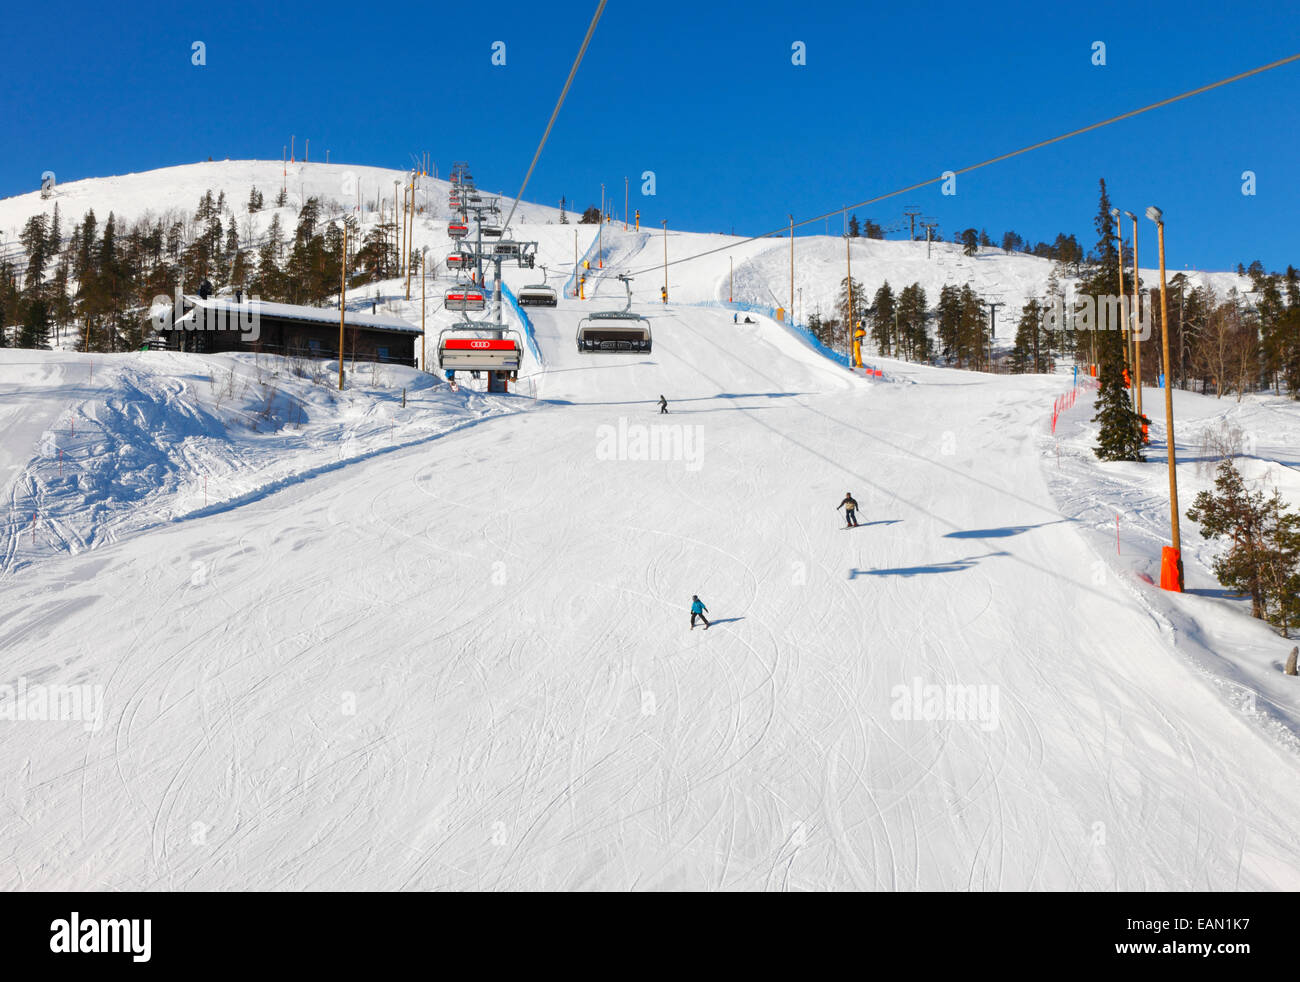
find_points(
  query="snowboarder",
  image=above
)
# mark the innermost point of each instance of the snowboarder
(850, 510)
(697, 610)
(663, 405)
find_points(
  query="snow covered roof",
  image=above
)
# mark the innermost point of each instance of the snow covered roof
(288, 311)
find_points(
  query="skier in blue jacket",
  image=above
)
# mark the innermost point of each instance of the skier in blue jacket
(697, 610)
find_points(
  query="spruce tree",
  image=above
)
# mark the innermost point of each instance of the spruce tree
(914, 338)
(882, 319)
(1264, 557)
(1120, 437)
(1026, 355)
(35, 330)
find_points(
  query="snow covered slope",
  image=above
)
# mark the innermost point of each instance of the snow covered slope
(467, 664)
(761, 267)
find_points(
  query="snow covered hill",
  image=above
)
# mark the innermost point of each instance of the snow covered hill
(761, 267)
(446, 645)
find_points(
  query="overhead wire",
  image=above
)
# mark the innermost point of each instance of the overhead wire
(984, 163)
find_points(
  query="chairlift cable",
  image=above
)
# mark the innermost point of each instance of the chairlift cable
(591, 29)
(992, 160)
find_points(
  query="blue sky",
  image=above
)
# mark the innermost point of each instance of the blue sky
(705, 96)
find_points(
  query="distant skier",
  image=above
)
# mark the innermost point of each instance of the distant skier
(663, 405)
(735, 318)
(697, 610)
(850, 510)
(663, 294)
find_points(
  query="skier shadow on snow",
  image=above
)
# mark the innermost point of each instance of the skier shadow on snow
(725, 620)
(1002, 532)
(953, 566)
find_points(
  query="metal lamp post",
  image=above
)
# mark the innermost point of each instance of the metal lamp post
(1171, 561)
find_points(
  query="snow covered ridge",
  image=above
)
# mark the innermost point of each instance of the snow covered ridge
(131, 196)
(97, 447)
(761, 267)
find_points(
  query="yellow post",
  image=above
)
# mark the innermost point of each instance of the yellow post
(343, 295)
(424, 262)
(665, 295)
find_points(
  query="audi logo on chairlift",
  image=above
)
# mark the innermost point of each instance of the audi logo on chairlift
(480, 344)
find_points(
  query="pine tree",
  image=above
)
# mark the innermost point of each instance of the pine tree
(1120, 437)
(949, 319)
(912, 317)
(855, 229)
(1263, 559)
(1026, 356)
(972, 331)
(882, 319)
(841, 329)
(970, 242)
(35, 330)
(564, 217)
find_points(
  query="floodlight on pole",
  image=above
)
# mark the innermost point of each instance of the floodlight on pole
(1171, 560)
(1137, 314)
(1123, 314)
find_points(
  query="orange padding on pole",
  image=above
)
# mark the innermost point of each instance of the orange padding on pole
(1171, 569)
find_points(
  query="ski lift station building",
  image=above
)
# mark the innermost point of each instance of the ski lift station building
(231, 323)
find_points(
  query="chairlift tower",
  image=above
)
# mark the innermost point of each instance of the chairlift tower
(929, 225)
(911, 213)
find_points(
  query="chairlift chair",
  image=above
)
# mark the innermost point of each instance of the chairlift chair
(537, 295)
(457, 230)
(458, 260)
(614, 332)
(463, 347)
(464, 298)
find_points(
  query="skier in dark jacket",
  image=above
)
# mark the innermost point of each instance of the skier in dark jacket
(850, 510)
(663, 406)
(697, 610)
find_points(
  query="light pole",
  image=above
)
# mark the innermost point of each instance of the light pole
(1171, 560)
(855, 345)
(1119, 231)
(731, 281)
(1137, 315)
(791, 269)
(343, 306)
(600, 232)
(625, 204)
(424, 263)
